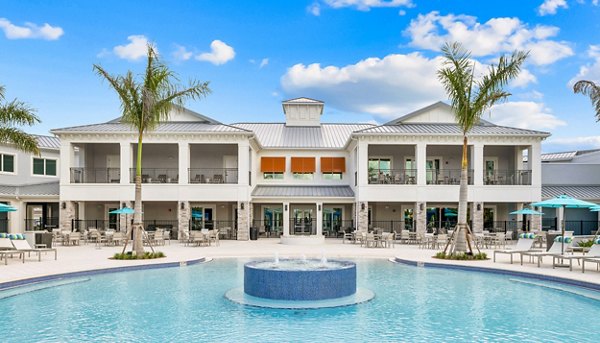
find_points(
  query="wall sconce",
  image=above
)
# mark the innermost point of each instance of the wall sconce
(478, 207)
(319, 207)
(285, 207)
(421, 207)
(242, 206)
(362, 206)
(182, 205)
(63, 205)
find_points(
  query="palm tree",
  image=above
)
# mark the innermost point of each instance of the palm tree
(470, 97)
(14, 114)
(144, 104)
(591, 90)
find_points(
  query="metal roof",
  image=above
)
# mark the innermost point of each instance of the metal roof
(583, 192)
(558, 156)
(303, 100)
(425, 109)
(39, 189)
(278, 135)
(166, 127)
(303, 191)
(47, 142)
(450, 129)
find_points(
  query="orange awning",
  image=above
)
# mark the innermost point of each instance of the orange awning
(333, 164)
(303, 165)
(272, 164)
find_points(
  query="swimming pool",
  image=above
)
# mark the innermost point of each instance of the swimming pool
(187, 304)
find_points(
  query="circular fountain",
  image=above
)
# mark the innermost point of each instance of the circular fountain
(299, 284)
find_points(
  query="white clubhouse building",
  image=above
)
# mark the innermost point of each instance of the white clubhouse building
(300, 177)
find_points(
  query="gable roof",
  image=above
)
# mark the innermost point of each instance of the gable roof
(47, 142)
(449, 130)
(326, 136)
(439, 104)
(38, 189)
(565, 156)
(176, 108)
(303, 100)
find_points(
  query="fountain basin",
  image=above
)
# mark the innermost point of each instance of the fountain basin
(300, 280)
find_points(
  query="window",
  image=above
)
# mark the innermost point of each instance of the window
(42, 166)
(303, 168)
(303, 176)
(332, 176)
(273, 176)
(379, 168)
(7, 163)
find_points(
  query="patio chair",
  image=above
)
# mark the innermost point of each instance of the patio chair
(390, 239)
(118, 238)
(214, 237)
(555, 249)
(347, 236)
(594, 253)
(199, 238)
(524, 244)
(7, 249)
(162, 178)
(23, 246)
(508, 236)
(74, 238)
(217, 178)
(440, 240)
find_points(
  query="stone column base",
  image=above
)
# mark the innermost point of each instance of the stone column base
(243, 217)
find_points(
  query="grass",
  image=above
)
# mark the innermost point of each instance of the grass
(461, 256)
(130, 256)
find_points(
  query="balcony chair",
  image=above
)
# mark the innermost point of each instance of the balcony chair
(162, 178)
(218, 178)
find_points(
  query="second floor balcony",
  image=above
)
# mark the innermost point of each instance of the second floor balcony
(156, 175)
(213, 175)
(507, 177)
(393, 176)
(95, 175)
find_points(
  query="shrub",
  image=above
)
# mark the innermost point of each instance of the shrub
(586, 244)
(146, 256)
(461, 256)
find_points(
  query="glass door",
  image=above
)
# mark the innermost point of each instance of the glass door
(113, 219)
(273, 220)
(202, 218)
(332, 221)
(433, 170)
(488, 218)
(302, 222)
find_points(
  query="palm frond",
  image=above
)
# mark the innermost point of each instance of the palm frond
(22, 140)
(17, 113)
(591, 90)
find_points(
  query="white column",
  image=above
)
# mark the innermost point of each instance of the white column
(535, 164)
(319, 218)
(363, 163)
(66, 159)
(126, 163)
(478, 164)
(184, 163)
(243, 163)
(421, 158)
(286, 218)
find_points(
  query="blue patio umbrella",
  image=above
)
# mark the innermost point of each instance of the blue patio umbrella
(125, 210)
(564, 201)
(6, 208)
(527, 211)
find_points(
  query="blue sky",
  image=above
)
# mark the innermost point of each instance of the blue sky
(369, 60)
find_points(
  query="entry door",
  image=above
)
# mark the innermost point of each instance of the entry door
(491, 165)
(112, 172)
(332, 220)
(273, 219)
(230, 163)
(488, 218)
(303, 223)
(433, 170)
(203, 218)
(113, 219)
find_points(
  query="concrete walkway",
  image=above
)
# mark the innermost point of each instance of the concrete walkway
(89, 257)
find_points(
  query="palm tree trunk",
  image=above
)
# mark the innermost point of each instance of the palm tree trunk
(459, 245)
(138, 246)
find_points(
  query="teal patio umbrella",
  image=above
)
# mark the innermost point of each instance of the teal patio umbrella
(6, 208)
(564, 201)
(527, 211)
(126, 211)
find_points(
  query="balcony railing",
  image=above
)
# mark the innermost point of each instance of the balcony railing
(227, 228)
(507, 177)
(95, 175)
(334, 228)
(41, 224)
(157, 175)
(213, 175)
(447, 176)
(393, 176)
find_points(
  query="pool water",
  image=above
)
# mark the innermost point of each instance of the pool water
(187, 305)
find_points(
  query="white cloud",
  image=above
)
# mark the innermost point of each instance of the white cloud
(314, 9)
(551, 6)
(181, 53)
(402, 13)
(524, 78)
(365, 5)
(590, 71)
(220, 53)
(525, 115)
(496, 36)
(578, 142)
(263, 63)
(379, 86)
(30, 31)
(135, 50)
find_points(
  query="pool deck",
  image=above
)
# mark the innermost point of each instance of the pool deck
(88, 257)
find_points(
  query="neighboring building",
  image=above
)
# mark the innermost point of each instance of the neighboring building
(577, 174)
(30, 183)
(300, 177)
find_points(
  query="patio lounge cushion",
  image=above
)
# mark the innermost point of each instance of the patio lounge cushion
(527, 235)
(3, 235)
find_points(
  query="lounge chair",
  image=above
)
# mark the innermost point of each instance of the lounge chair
(23, 246)
(556, 248)
(593, 253)
(7, 249)
(524, 244)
